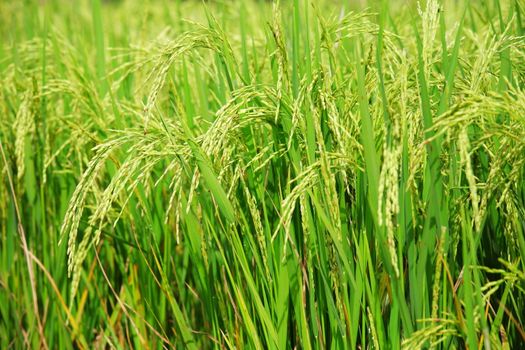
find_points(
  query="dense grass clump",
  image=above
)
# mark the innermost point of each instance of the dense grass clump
(242, 174)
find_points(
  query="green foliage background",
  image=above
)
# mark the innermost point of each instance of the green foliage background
(242, 174)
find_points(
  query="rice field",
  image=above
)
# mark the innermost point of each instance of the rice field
(262, 175)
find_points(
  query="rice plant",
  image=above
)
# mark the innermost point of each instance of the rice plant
(255, 174)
